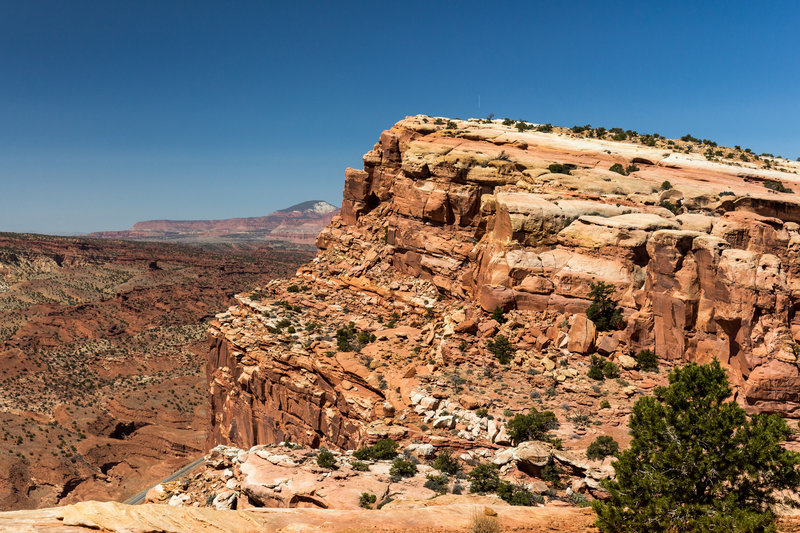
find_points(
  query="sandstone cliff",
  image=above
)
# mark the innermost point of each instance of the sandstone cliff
(384, 333)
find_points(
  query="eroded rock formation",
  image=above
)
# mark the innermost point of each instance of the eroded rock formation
(448, 221)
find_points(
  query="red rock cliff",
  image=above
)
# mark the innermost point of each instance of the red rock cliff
(704, 266)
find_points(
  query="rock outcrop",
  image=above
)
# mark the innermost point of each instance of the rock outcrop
(477, 213)
(386, 332)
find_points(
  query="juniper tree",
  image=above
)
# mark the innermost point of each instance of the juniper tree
(697, 462)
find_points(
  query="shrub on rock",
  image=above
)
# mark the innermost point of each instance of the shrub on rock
(484, 478)
(602, 447)
(533, 426)
(647, 360)
(501, 347)
(446, 463)
(402, 468)
(326, 459)
(603, 310)
(517, 494)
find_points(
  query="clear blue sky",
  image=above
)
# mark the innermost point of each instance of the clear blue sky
(114, 112)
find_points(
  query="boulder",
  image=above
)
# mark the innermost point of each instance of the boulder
(533, 453)
(468, 401)
(607, 343)
(582, 332)
(444, 422)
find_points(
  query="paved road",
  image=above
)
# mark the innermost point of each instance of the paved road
(137, 498)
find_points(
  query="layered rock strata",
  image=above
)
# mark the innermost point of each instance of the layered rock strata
(447, 222)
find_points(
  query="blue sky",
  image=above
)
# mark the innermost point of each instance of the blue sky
(114, 112)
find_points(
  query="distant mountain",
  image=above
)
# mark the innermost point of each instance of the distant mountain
(299, 225)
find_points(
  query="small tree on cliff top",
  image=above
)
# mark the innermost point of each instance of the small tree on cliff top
(697, 463)
(603, 310)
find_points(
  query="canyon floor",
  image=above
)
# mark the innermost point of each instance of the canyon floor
(102, 360)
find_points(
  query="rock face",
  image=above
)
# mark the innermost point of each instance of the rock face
(476, 211)
(298, 224)
(387, 328)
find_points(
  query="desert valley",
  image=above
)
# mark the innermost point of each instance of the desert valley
(464, 350)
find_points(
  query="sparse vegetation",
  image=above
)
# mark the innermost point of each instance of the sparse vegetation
(777, 186)
(517, 494)
(326, 459)
(618, 168)
(446, 463)
(675, 209)
(481, 523)
(437, 483)
(498, 315)
(560, 168)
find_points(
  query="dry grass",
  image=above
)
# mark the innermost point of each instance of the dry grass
(483, 523)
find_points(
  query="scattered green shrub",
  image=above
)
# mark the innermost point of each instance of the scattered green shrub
(596, 368)
(359, 466)
(484, 478)
(579, 500)
(619, 169)
(366, 500)
(502, 348)
(517, 494)
(381, 450)
(553, 473)
(546, 128)
(610, 370)
(402, 468)
(776, 185)
(498, 315)
(559, 168)
(675, 209)
(647, 360)
(437, 483)
(603, 310)
(326, 459)
(293, 288)
(446, 463)
(605, 404)
(602, 447)
(532, 426)
(666, 185)
(698, 462)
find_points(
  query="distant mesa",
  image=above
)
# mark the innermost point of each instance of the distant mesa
(293, 226)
